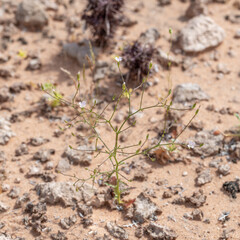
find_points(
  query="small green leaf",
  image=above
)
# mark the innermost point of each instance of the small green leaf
(70, 147)
(150, 65)
(170, 31)
(194, 105)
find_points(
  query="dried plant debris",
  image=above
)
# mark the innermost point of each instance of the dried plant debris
(136, 58)
(102, 17)
(232, 187)
(37, 216)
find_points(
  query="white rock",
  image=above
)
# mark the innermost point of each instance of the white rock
(200, 33)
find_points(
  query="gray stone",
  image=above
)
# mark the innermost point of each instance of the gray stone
(237, 34)
(5, 95)
(66, 223)
(5, 131)
(7, 71)
(149, 37)
(63, 165)
(43, 155)
(80, 52)
(158, 232)
(224, 169)
(204, 177)
(3, 237)
(199, 34)
(222, 68)
(34, 171)
(38, 141)
(188, 93)
(79, 155)
(3, 207)
(143, 209)
(164, 58)
(34, 64)
(21, 150)
(212, 143)
(215, 163)
(14, 193)
(21, 200)
(31, 14)
(64, 193)
(116, 231)
(196, 8)
(164, 2)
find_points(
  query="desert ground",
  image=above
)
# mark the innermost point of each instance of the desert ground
(192, 193)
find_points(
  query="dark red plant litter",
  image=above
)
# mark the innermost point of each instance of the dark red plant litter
(136, 58)
(232, 187)
(102, 18)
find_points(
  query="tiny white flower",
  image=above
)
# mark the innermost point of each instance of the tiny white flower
(82, 104)
(191, 144)
(118, 59)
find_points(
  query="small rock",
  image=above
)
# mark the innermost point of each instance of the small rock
(5, 131)
(38, 141)
(79, 156)
(204, 177)
(59, 192)
(116, 231)
(3, 208)
(66, 223)
(149, 37)
(63, 165)
(215, 163)
(196, 8)
(212, 143)
(237, 34)
(158, 232)
(222, 68)
(200, 33)
(21, 200)
(139, 232)
(188, 93)
(143, 209)
(7, 71)
(34, 171)
(197, 199)
(5, 95)
(197, 215)
(224, 169)
(164, 2)
(58, 236)
(5, 187)
(49, 165)
(31, 14)
(14, 193)
(34, 64)
(164, 58)
(43, 155)
(21, 150)
(80, 51)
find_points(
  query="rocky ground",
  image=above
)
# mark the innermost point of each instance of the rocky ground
(192, 193)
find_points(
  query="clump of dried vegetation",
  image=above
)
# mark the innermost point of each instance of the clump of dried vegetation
(136, 59)
(102, 17)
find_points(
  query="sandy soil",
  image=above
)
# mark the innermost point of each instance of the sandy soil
(223, 93)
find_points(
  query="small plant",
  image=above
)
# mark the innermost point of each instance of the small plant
(102, 17)
(136, 59)
(116, 153)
